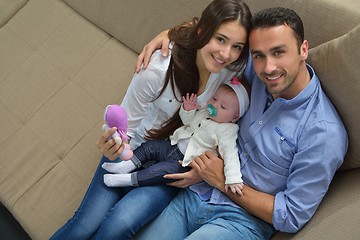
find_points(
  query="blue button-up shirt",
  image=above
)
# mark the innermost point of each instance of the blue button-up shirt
(288, 148)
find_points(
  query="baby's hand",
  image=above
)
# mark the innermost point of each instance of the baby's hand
(235, 188)
(189, 102)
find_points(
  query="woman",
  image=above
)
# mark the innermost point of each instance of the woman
(204, 54)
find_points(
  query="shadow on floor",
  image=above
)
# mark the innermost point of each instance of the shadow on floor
(10, 229)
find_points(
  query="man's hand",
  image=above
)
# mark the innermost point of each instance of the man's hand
(189, 102)
(210, 168)
(108, 147)
(160, 41)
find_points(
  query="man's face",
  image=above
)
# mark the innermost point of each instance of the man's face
(278, 61)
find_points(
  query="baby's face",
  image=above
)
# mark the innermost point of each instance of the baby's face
(226, 104)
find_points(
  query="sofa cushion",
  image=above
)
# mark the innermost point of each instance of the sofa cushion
(336, 64)
(336, 217)
(58, 71)
(9, 8)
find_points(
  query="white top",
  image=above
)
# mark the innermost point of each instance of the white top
(144, 112)
(205, 134)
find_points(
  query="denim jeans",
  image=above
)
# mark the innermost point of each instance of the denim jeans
(114, 213)
(188, 217)
(162, 157)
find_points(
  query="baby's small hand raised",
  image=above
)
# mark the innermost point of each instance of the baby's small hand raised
(189, 102)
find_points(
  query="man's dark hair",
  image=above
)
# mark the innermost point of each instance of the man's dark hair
(277, 16)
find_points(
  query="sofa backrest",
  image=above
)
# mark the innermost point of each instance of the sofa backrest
(323, 20)
(144, 18)
(334, 53)
(336, 62)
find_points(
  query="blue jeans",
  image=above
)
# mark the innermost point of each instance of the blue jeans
(114, 213)
(164, 159)
(188, 217)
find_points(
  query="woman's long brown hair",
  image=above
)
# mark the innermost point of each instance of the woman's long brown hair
(188, 38)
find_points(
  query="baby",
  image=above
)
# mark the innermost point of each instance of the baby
(212, 128)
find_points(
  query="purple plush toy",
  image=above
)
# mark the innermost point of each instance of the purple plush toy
(115, 116)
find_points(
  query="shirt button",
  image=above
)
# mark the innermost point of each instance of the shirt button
(245, 154)
(199, 125)
(260, 122)
(282, 138)
(170, 100)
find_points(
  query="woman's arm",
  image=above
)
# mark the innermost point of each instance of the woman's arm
(160, 41)
(141, 94)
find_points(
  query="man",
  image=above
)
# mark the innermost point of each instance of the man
(291, 142)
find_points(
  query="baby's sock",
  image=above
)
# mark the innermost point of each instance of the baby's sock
(120, 167)
(118, 180)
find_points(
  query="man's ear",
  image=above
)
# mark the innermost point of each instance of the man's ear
(304, 50)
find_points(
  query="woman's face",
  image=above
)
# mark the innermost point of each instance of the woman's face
(223, 48)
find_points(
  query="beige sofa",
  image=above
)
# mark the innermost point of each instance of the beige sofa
(62, 62)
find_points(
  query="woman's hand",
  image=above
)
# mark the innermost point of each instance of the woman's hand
(160, 41)
(184, 179)
(108, 147)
